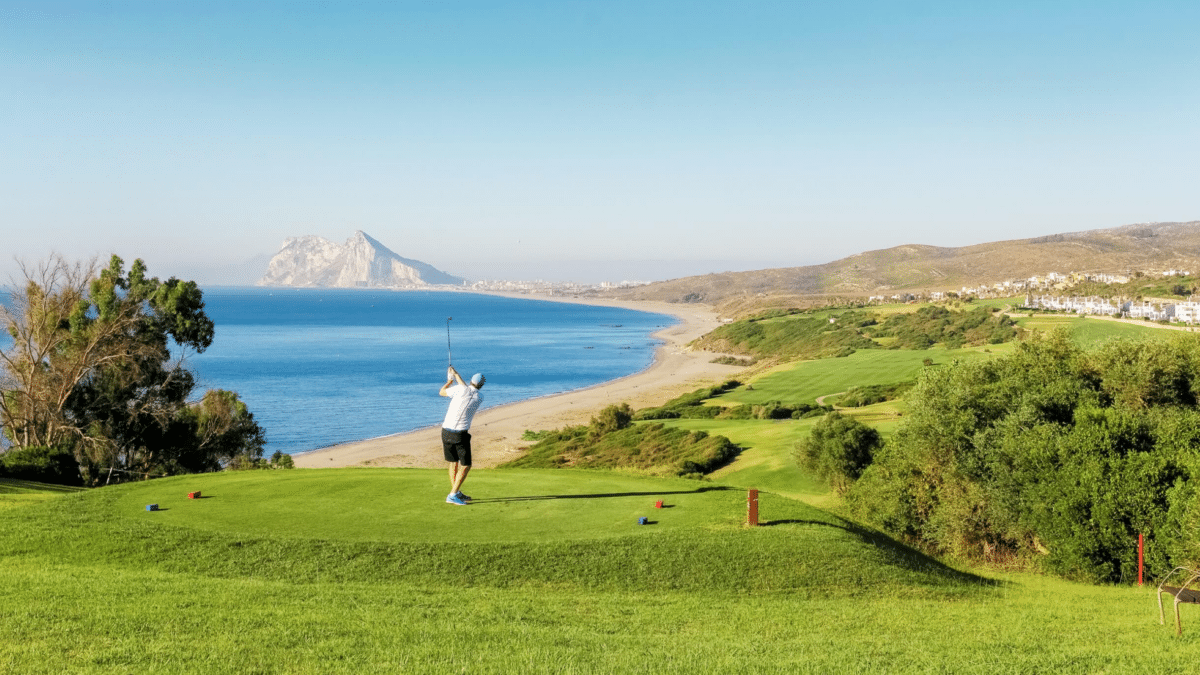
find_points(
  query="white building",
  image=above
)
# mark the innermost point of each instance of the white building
(1094, 306)
(1150, 310)
(1187, 312)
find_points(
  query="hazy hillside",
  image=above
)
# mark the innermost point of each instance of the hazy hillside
(1124, 249)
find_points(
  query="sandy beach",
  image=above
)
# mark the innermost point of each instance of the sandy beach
(496, 432)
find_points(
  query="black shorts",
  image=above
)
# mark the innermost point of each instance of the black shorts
(456, 445)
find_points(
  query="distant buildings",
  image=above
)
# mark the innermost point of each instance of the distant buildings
(549, 287)
(1176, 312)
(1094, 306)
(1039, 294)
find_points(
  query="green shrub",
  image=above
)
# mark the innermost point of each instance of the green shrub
(838, 449)
(858, 397)
(1049, 456)
(689, 406)
(44, 465)
(793, 337)
(279, 460)
(932, 324)
(613, 418)
(650, 447)
(734, 361)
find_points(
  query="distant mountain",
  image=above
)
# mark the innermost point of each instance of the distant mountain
(1144, 247)
(361, 262)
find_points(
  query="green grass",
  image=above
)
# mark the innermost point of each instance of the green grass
(997, 303)
(94, 584)
(1090, 332)
(392, 505)
(528, 528)
(766, 460)
(805, 381)
(14, 493)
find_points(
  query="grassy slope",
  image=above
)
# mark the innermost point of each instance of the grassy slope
(1090, 332)
(572, 528)
(804, 381)
(93, 585)
(14, 493)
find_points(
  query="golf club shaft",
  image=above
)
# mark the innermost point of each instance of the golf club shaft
(449, 355)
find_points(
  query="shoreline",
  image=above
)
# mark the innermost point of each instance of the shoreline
(496, 432)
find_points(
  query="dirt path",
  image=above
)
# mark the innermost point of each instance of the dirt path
(821, 399)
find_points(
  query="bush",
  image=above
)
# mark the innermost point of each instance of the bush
(839, 449)
(650, 447)
(43, 465)
(954, 328)
(734, 361)
(858, 397)
(613, 418)
(689, 406)
(279, 460)
(1049, 455)
(792, 337)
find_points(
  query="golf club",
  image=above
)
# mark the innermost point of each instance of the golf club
(449, 357)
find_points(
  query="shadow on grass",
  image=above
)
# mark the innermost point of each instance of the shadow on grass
(602, 495)
(18, 486)
(902, 554)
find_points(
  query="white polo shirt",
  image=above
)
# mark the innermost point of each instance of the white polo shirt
(464, 401)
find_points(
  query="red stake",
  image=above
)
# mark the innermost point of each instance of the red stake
(752, 508)
(1140, 559)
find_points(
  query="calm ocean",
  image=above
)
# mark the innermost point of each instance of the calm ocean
(324, 366)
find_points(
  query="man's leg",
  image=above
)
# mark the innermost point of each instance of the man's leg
(464, 462)
(453, 476)
(457, 481)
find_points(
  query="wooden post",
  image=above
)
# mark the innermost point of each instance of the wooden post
(752, 508)
(1140, 559)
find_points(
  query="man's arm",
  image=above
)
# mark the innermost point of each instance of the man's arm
(452, 377)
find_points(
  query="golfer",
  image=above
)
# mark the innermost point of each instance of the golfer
(456, 438)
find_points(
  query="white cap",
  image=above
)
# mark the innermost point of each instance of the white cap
(478, 379)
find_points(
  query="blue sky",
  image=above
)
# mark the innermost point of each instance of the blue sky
(588, 140)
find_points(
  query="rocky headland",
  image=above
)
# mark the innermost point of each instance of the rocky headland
(361, 262)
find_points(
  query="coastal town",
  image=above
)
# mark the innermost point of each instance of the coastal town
(1051, 292)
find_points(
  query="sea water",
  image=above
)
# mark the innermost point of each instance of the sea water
(318, 367)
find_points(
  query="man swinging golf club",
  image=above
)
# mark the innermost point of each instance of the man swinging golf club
(456, 438)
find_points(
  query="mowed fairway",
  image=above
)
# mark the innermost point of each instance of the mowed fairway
(1089, 332)
(805, 381)
(766, 460)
